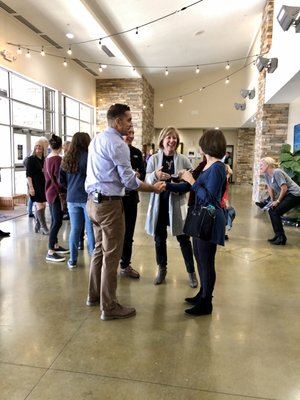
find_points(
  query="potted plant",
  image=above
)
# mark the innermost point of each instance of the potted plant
(290, 163)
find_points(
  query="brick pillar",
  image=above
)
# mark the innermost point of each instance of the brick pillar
(245, 155)
(138, 94)
(271, 119)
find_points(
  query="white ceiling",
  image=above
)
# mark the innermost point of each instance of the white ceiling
(206, 32)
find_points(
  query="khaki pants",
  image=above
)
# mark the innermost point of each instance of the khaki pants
(109, 228)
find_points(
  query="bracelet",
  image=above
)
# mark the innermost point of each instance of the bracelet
(278, 201)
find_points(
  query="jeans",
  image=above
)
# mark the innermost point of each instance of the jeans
(205, 253)
(29, 206)
(78, 215)
(289, 201)
(56, 222)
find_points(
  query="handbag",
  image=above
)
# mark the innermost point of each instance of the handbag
(200, 221)
(63, 202)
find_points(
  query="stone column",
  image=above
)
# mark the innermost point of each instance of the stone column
(139, 96)
(245, 155)
(271, 119)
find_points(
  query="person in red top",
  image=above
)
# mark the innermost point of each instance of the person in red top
(225, 198)
(51, 171)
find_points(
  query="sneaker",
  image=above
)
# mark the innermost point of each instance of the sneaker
(55, 257)
(129, 271)
(92, 303)
(61, 250)
(71, 266)
(119, 312)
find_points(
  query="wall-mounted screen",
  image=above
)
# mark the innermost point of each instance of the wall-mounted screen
(296, 137)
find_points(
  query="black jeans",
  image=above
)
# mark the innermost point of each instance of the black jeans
(56, 222)
(205, 253)
(160, 238)
(289, 201)
(130, 206)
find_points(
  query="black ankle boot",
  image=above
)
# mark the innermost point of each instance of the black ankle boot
(203, 307)
(280, 240)
(273, 238)
(195, 299)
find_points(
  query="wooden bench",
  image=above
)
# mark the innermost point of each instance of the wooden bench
(8, 203)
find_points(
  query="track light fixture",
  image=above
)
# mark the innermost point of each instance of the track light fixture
(247, 93)
(289, 16)
(240, 106)
(270, 64)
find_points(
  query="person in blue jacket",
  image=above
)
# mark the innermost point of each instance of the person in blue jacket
(209, 188)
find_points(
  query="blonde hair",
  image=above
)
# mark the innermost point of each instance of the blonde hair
(165, 132)
(43, 141)
(270, 161)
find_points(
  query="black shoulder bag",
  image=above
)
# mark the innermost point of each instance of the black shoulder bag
(200, 220)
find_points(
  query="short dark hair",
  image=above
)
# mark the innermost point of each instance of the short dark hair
(55, 142)
(117, 110)
(213, 143)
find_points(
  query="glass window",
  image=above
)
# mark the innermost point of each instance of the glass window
(20, 148)
(6, 182)
(3, 83)
(72, 126)
(20, 182)
(85, 113)
(5, 154)
(72, 108)
(26, 91)
(85, 127)
(4, 111)
(27, 116)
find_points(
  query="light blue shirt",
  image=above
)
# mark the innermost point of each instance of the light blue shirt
(109, 169)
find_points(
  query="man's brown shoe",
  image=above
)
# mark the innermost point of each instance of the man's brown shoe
(92, 303)
(129, 271)
(119, 312)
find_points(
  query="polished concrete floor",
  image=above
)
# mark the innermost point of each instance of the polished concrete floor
(54, 347)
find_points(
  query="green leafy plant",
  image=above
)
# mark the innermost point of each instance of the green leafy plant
(290, 162)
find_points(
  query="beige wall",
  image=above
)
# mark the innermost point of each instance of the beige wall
(49, 71)
(211, 107)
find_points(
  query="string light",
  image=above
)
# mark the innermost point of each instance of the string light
(65, 64)
(100, 68)
(19, 51)
(227, 66)
(100, 42)
(197, 69)
(180, 99)
(144, 107)
(137, 30)
(200, 89)
(69, 51)
(28, 55)
(43, 52)
(166, 71)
